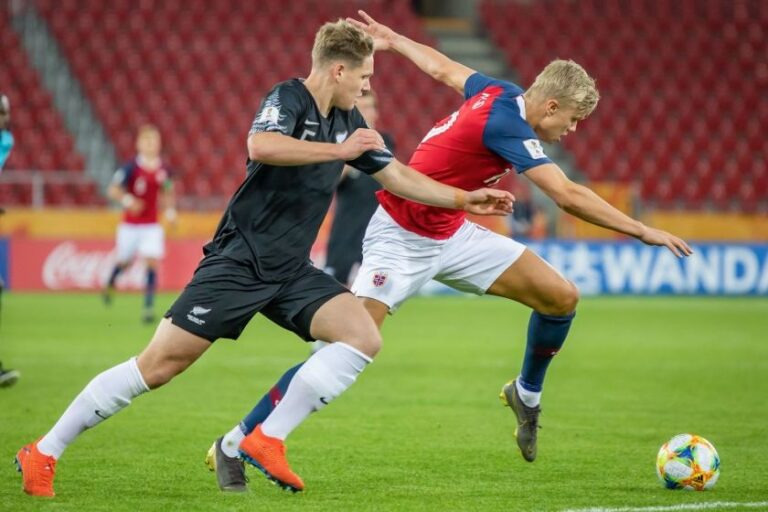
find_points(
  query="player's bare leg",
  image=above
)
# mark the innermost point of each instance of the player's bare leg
(378, 310)
(533, 282)
(171, 351)
(355, 340)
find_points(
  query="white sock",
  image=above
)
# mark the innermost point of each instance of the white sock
(231, 441)
(323, 377)
(108, 393)
(529, 398)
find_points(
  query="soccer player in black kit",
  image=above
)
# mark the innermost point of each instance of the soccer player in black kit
(258, 261)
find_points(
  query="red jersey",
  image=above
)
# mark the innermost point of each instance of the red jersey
(145, 185)
(470, 149)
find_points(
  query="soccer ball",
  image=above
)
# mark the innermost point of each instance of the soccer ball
(688, 461)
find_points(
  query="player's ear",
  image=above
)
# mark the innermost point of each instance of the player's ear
(337, 70)
(552, 106)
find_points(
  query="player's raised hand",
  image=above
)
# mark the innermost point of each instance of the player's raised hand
(653, 236)
(362, 140)
(383, 36)
(488, 201)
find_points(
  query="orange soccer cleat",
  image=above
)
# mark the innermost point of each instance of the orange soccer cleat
(267, 454)
(37, 471)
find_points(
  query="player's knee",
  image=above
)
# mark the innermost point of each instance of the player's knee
(563, 302)
(159, 372)
(367, 341)
(568, 299)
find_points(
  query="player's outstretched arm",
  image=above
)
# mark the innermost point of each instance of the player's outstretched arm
(583, 203)
(408, 183)
(429, 60)
(277, 149)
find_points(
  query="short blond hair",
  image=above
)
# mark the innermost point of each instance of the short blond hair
(341, 41)
(568, 82)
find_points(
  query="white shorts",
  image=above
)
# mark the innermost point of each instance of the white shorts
(398, 262)
(144, 240)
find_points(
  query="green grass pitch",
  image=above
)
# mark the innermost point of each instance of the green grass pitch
(423, 428)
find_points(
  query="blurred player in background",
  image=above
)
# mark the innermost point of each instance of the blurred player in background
(8, 377)
(6, 137)
(258, 261)
(143, 187)
(355, 204)
(499, 126)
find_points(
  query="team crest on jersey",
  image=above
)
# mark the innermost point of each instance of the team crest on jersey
(379, 278)
(341, 137)
(534, 148)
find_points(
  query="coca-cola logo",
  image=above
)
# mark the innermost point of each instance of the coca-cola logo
(68, 267)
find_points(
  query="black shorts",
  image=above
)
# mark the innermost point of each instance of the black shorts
(224, 294)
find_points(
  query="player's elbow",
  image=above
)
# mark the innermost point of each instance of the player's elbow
(256, 152)
(566, 197)
(258, 149)
(565, 202)
(438, 73)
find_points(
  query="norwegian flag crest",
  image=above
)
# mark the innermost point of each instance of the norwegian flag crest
(379, 278)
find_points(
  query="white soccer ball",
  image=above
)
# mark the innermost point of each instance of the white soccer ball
(688, 461)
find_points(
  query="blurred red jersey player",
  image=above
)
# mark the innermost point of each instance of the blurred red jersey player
(142, 186)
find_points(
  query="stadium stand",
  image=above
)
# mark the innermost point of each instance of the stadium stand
(42, 142)
(199, 68)
(681, 109)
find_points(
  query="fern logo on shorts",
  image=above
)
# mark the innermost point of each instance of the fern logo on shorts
(379, 278)
(199, 311)
(195, 313)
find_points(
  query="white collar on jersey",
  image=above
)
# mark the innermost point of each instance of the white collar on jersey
(521, 105)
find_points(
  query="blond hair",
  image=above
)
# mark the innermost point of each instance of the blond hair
(341, 41)
(567, 82)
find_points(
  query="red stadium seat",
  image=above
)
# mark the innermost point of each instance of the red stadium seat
(643, 79)
(41, 140)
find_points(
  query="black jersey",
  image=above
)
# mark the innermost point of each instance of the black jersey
(274, 216)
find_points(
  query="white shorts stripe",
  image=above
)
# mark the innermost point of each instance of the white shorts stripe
(397, 262)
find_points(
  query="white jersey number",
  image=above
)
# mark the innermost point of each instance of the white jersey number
(437, 130)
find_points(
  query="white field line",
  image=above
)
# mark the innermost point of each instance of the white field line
(673, 508)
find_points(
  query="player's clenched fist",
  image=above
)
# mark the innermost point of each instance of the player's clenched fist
(362, 140)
